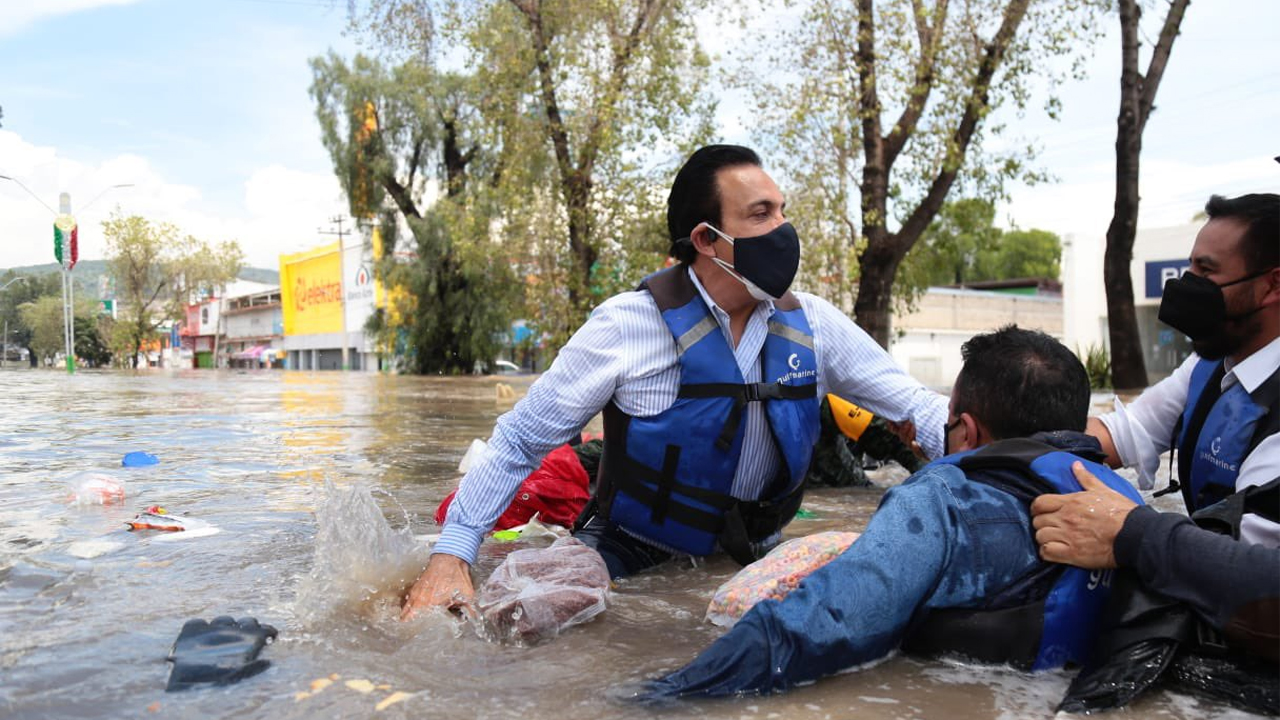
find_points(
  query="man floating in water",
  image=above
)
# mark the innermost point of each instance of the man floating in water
(948, 563)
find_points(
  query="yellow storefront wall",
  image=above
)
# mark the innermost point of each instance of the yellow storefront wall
(311, 291)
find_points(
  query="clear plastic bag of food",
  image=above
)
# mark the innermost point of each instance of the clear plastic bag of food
(95, 488)
(538, 593)
(776, 574)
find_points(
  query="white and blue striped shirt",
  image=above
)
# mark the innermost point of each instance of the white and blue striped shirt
(625, 352)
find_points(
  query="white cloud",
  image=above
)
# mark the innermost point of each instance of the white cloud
(280, 212)
(15, 16)
(1172, 192)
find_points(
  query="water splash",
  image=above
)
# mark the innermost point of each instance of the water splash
(362, 565)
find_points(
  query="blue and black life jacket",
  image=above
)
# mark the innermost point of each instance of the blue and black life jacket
(1048, 617)
(1218, 430)
(668, 478)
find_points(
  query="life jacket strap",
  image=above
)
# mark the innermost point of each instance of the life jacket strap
(749, 522)
(743, 394)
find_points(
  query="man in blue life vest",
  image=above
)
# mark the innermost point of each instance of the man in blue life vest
(947, 564)
(1220, 410)
(709, 377)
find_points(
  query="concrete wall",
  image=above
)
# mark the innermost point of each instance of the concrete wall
(927, 341)
(258, 322)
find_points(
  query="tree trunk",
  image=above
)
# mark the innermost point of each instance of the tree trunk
(577, 192)
(877, 269)
(1137, 97)
(885, 251)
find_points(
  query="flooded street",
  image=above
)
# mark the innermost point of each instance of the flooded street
(288, 467)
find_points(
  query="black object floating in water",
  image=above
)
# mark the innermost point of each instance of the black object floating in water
(219, 652)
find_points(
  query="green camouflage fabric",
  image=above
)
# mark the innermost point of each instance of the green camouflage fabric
(837, 460)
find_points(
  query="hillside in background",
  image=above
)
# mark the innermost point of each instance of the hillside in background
(88, 274)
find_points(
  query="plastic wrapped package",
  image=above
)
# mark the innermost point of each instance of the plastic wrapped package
(536, 594)
(93, 488)
(776, 574)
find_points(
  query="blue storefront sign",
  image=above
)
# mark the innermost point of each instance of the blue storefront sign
(1161, 271)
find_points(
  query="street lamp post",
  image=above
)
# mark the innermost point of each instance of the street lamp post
(65, 238)
(4, 358)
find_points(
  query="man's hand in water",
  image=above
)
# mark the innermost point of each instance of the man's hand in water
(1080, 528)
(445, 583)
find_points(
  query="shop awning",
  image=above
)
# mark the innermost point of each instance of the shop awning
(252, 353)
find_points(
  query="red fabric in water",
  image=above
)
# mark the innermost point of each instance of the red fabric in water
(558, 490)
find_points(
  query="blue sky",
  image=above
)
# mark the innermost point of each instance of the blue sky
(203, 106)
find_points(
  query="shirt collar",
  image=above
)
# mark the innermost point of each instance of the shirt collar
(1255, 369)
(716, 310)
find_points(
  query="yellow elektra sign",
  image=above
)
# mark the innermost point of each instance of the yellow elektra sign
(311, 291)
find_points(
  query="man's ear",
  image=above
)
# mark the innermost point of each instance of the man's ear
(975, 434)
(1272, 294)
(702, 239)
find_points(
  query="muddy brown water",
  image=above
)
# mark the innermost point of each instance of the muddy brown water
(89, 610)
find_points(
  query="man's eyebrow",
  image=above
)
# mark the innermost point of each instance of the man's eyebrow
(1205, 260)
(764, 202)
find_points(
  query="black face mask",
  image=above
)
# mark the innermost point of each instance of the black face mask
(1195, 305)
(768, 261)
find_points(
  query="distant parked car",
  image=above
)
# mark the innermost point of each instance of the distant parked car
(505, 367)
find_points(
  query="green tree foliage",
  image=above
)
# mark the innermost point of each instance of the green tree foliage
(405, 143)
(877, 109)
(963, 245)
(1027, 254)
(93, 338)
(586, 109)
(606, 80)
(18, 293)
(44, 319)
(158, 272)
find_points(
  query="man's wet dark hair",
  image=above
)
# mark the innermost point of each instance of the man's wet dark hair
(1019, 382)
(1261, 213)
(695, 196)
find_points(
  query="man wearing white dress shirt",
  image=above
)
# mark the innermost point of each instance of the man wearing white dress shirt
(709, 377)
(1219, 409)
(1221, 414)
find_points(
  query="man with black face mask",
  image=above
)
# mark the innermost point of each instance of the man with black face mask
(1218, 411)
(709, 376)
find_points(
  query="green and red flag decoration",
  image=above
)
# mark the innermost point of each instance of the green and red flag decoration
(66, 239)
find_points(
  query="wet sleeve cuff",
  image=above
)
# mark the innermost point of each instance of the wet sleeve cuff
(459, 541)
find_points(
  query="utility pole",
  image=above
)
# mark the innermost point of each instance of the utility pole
(342, 286)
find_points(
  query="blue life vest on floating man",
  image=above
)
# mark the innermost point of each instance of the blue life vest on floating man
(1049, 617)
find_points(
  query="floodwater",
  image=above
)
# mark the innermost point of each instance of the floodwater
(322, 487)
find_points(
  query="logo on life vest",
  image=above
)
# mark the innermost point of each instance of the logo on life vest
(794, 363)
(1216, 445)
